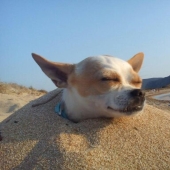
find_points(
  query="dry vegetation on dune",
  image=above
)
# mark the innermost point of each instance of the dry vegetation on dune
(13, 88)
(14, 97)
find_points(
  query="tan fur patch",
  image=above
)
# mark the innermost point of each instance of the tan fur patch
(90, 82)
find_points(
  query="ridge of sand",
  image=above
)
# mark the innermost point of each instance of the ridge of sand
(36, 138)
(9, 103)
(14, 96)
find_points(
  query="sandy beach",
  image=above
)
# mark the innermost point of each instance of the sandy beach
(162, 97)
(159, 99)
(36, 138)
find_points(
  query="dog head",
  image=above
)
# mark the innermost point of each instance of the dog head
(104, 85)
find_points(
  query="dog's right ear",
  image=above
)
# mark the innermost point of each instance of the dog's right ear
(136, 61)
(57, 72)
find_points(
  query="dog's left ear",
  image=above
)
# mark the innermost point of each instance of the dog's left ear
(136, 61)
(57, 72)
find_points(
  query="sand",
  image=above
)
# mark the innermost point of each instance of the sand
(162, 97)
(37, 138)
(9, 103)
(153, 98)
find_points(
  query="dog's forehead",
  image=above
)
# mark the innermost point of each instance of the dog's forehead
(93, 64)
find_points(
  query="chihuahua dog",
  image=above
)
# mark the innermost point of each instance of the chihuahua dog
(102, 86)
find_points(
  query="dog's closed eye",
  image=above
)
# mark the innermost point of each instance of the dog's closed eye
(110, 79)
(136, 82)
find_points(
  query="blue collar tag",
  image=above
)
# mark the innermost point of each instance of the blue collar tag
(60, 111)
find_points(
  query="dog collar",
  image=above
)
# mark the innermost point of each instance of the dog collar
(59, 109)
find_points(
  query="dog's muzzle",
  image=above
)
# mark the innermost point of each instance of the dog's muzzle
(137, 96)
(134, 102)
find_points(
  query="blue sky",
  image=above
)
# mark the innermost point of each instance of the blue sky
(69, 31)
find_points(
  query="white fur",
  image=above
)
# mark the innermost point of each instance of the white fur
(88, 95)
(79, 108)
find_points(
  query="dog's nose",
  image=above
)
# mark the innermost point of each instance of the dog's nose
(137, 93)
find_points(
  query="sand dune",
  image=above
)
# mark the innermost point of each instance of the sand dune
(9, 103)
(37, 138)
(14, 96)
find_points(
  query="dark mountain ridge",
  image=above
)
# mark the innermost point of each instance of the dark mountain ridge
(154, 83)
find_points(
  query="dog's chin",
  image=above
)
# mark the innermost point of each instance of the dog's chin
(127, 110)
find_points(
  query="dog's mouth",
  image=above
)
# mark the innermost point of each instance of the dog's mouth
(127, 110)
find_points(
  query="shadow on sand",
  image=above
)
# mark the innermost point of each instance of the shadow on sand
(33, 135)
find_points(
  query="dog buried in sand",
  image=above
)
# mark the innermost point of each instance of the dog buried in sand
(102, 86)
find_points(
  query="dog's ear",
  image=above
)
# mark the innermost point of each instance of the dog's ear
(57, 72)
(136, 61)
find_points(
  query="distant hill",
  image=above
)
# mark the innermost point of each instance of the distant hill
(153, 83)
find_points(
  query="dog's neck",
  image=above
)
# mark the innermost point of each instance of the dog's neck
(76, 107)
